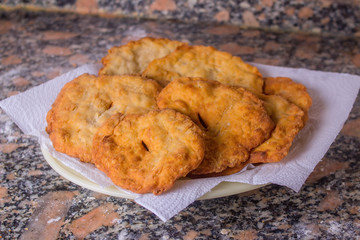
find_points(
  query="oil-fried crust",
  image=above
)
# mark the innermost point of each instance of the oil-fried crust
(226, 172)
(288, 119)
(134, 57)
(235, 121)
(87, 101)
(205, 62)
(147, 153)
(291, 91)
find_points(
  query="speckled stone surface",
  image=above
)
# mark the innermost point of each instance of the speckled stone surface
(317, 16)
(36, 202)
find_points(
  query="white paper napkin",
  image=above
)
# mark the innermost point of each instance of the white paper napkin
(333, 96)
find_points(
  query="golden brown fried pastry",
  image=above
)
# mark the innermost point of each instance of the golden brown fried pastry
(134, 57)
(291, 91)
(288, 120)
(147, 153)
(226, 172)
(205, 62)
(87, 101)
(235, 121)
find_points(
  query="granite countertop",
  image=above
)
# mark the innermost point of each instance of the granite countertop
(37, 203)
(331, 17)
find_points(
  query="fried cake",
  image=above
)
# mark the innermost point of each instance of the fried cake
(234, 120)
(86, 102)
(288, 119)
(147, 153)
(291, 91)
(134, 57)
(205, 62)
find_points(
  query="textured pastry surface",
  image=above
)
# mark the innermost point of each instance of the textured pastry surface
(288, 119)
(205, 62)
(234, 120)
(87, 101)
(134, 57)
(147, 153)
(291, 91)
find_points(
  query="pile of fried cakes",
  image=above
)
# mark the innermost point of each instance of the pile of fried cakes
(161, 109)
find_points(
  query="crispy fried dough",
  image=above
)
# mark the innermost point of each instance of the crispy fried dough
(235, 121)
(134, 57)
(291, 91)
(205, 62)
(288, 120)
(226, 172)
(87, 101)
(147, 153)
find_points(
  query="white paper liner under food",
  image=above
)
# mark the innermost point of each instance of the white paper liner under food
(333, 95)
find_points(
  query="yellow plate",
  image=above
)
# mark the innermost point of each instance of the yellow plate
(221, 190)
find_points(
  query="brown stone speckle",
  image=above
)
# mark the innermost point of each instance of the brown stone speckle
(10, 176)
(305, 13)
(57, 51)
(289, 11)
(48, 217)
(357, 222)
(10, 60)
(246, 235)
(354, 209)
(236, 49)
(325, 20)
(53, 73)
(78, 59)
(251, 33)
(223, 30)
(222, 16)
(9, 147)
(267, 3)
(53, 35)
(250, 19)
(331, 201)
(144, 236)
(305, 51)
(3, 192)
(104, 215)
(326, 3)
(271, 46)
(37, 74)
(163, 5)
(86, 6)
(356, 60)
(284, 226)
(20, 81)
(206, 232)
(190, 235)
(4, 196)
(35, 173)
(269, 61)
(5, 26)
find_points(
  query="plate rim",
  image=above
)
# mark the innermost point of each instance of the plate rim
(223, 189)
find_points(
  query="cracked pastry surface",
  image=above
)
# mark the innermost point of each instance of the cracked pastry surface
(234, 120)
(148, 152)
(288, 119)
(292, 91)
(133, 57)
(205, 62)
(88, 101)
